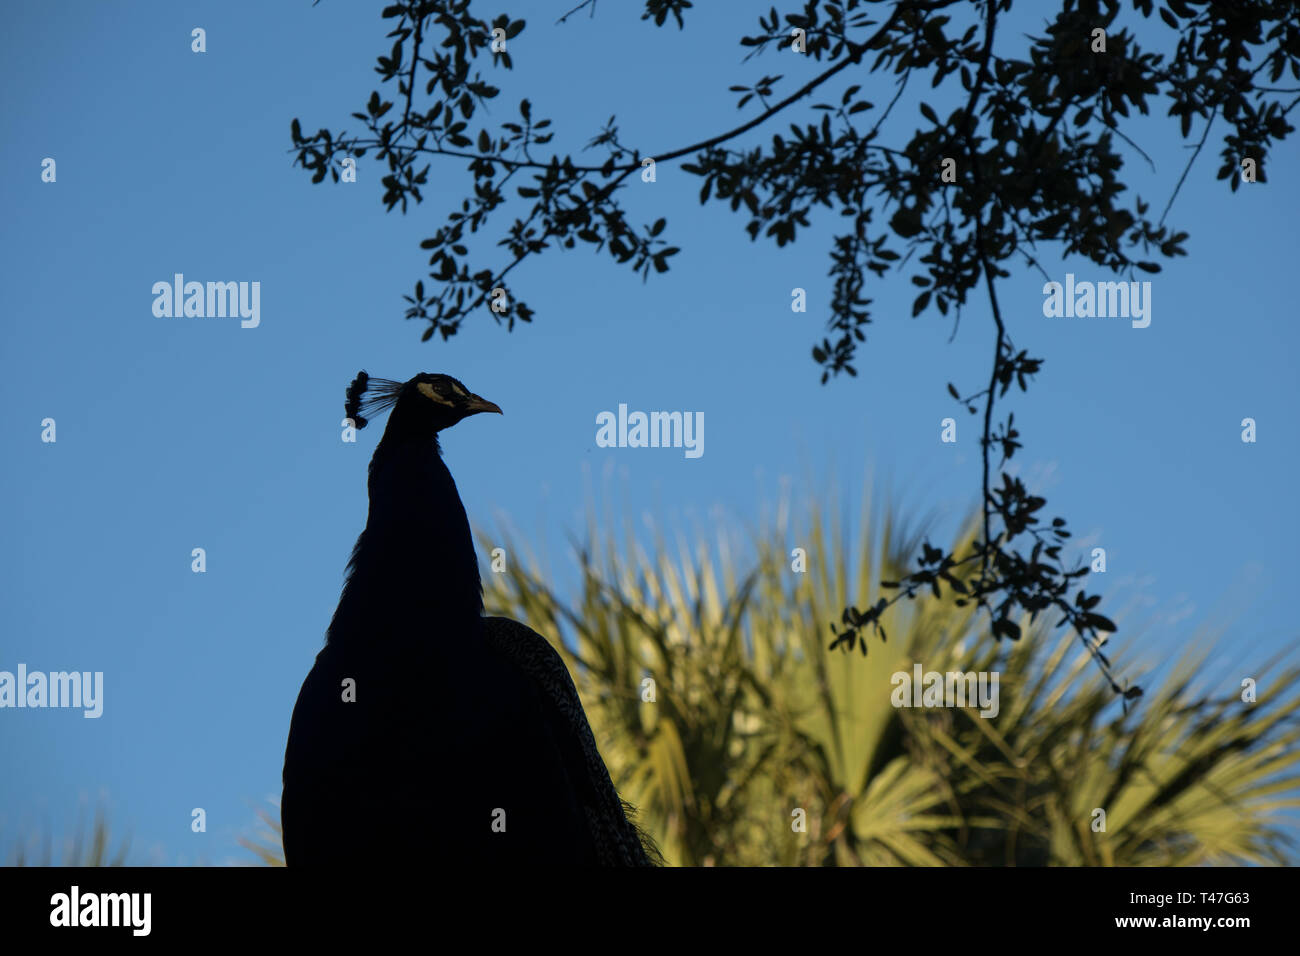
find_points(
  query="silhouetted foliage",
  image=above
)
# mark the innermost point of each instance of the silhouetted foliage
(1033, 132)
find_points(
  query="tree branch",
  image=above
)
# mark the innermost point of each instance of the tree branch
(1188, 168)
(585, 3)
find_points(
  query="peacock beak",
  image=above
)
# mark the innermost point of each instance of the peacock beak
(476, 404)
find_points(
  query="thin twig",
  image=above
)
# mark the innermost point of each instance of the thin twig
(410, 83)
(591, 3)
(1188, 168)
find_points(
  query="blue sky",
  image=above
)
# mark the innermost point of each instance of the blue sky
(179, 433)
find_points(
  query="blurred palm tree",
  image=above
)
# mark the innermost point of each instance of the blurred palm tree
(79, 849)
(744, 741)
(267, 844)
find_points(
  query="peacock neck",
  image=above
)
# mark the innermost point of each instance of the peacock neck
(414, 570)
